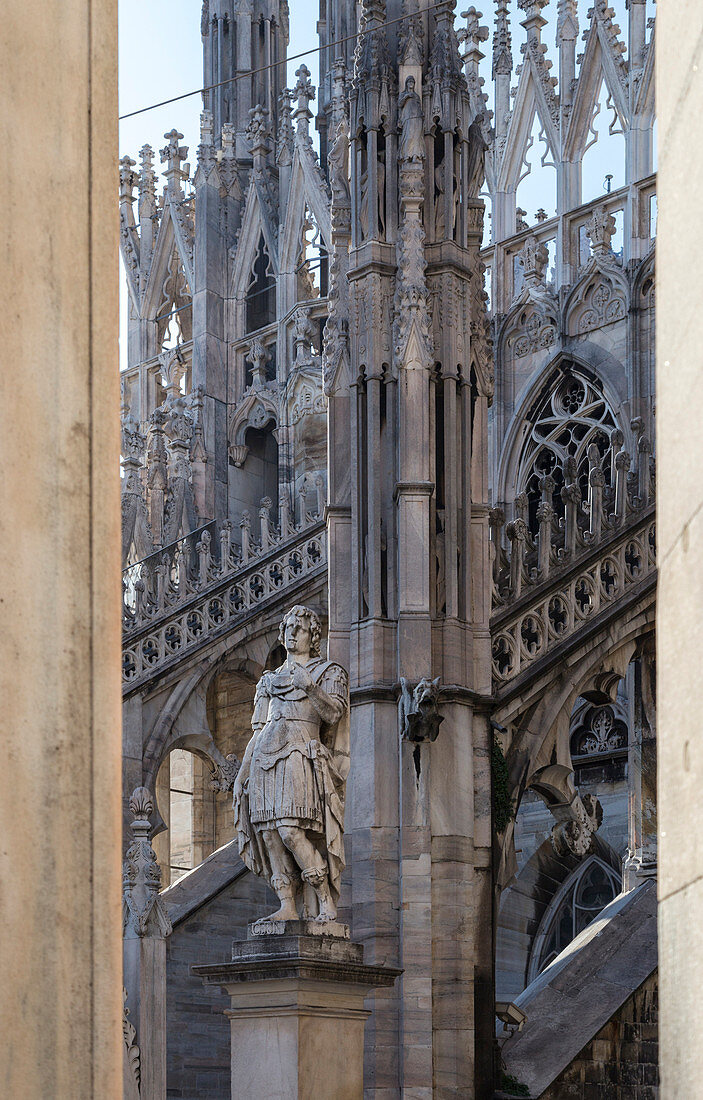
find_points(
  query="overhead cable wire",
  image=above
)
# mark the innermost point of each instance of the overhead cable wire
(285, 61)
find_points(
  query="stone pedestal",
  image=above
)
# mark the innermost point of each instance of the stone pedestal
(297, 994)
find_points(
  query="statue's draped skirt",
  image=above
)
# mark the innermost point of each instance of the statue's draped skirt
(283, 784)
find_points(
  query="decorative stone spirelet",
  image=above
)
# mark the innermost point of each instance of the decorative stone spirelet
(143, 912)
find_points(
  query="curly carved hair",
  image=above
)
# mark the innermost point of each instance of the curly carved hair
(314, 624)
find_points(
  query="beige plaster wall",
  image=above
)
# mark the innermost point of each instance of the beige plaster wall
(60, 941)
(680, 542)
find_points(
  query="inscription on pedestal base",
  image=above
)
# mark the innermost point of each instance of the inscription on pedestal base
(266, 927)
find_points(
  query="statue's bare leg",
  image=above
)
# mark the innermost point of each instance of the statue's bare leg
(283, 875)
(313, 868)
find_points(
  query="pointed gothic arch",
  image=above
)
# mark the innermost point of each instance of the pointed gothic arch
(254, 227)
(591, 886)
(530, 102)
(600, 297)
(599, 65)
(522, 448)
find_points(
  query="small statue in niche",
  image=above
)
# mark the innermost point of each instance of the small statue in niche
(338, 162)
(439, 222)
(419, 717)
(476, 171)
(381, 198)
(289, 793)
(412, 125)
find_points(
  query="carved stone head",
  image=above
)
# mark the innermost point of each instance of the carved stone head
(311, 620)
(426, 694)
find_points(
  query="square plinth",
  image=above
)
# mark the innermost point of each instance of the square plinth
(297, 1012)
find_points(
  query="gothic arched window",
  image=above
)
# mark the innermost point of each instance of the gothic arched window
(584, 895)
(569, 415)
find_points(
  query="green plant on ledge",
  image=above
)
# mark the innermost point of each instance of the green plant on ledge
(512, 1086)
(503, 808)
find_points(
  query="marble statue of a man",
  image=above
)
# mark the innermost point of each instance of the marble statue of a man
(289, 793)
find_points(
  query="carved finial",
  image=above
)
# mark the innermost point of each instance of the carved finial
(600, 230)
(472, 36)
(502, 41)
(259, 131)
(128, 179)
(143, 912)
(258, 357)
(133, 443)
(534, 257)
(141, 804)
(173, 155)
(305, 93)
(304, 333)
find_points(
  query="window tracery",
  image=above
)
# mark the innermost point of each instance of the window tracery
(600, 730)
(584, 895)
(565, 423)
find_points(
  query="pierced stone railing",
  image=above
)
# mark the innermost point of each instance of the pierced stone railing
(552, 610)
(527, 558)
(166, 579)
(174, 629)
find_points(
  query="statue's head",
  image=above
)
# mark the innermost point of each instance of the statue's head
(410, 84)
(300, 629)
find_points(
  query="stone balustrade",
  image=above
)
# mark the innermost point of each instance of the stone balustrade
(217, 593)
(566, 526)
(163, 581)
(553, 606)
